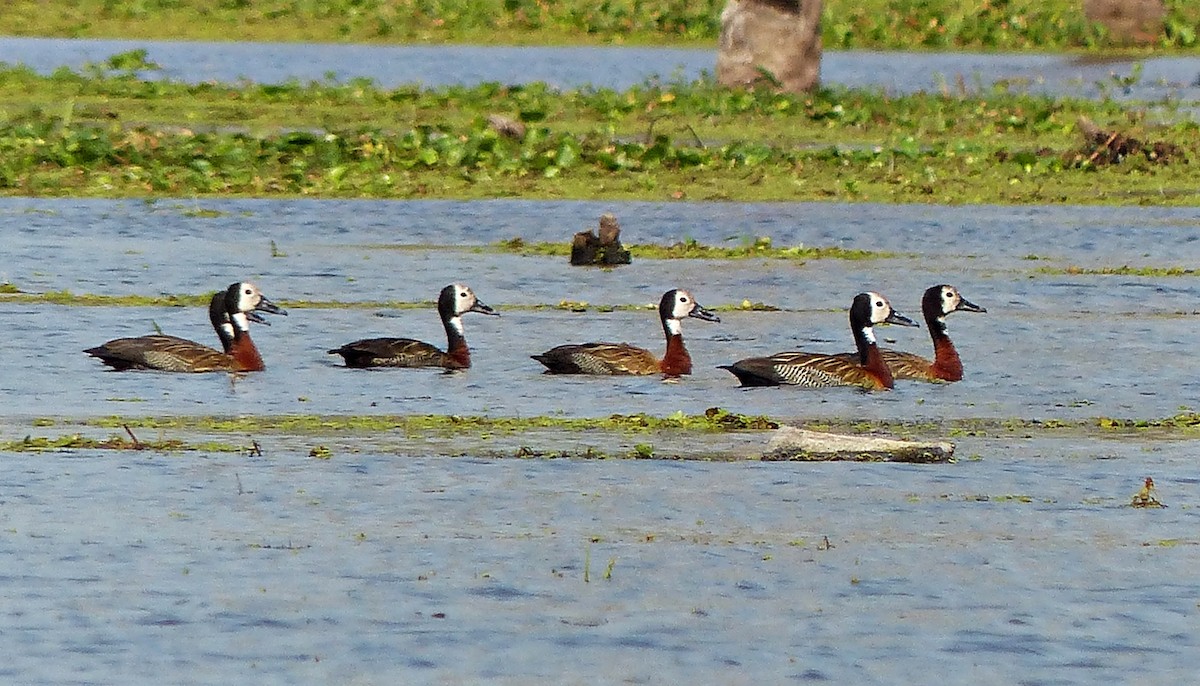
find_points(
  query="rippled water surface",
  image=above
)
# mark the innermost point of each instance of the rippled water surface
(1052, 345)
(1162, 78)
(372, 569)
(402, 565)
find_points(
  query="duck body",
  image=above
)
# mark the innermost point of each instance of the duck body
(946, 365)
(166, 354)
(600, 359)
(454, 301)
(623, 359)
(401, 352)
(864, 368)
(230, 313)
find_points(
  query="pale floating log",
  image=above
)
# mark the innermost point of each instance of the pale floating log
(792, 444)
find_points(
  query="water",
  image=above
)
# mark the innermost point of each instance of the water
(369, 568)
(1051, 345)
(1175, 79)
(393, 562)
(387, 563)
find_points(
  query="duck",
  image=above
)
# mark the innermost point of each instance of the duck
(937, 302)
(454, 301)
(623, 359)
(230, 312)
(865, 369)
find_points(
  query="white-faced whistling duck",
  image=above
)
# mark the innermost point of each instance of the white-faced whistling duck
(624, 359)
(937, 302)
(454, 301)
(866, 369)
(230, 312)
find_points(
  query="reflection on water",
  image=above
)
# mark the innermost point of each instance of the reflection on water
(1051, 344)
(1176, 78)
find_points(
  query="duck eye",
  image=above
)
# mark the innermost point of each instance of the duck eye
(683, 298)
(249, 292)
(878, 303)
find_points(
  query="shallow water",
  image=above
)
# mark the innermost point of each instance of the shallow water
(1162, 78)
(1020, 567)
(386, 565)
(1050, 346)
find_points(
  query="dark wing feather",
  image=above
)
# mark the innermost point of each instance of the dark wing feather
(162, 353)
(801, 369)
(393, 352)
(607, 359)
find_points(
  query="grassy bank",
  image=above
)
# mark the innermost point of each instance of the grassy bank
(871, 24)
(110, 133)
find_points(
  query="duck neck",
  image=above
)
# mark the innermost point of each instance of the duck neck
(245, 353)
(676, 361)
(869, 357)
(221, 322)
(456, 342)
(946, 363)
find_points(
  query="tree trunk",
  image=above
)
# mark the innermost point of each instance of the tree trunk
(777, 42)
(1128, 21)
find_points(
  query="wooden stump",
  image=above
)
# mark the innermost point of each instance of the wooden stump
(773, 41)
(1128, 21)
(604, 250)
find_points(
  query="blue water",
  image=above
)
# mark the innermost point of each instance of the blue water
(1163, 79)
(1052, 345)
(1021, 567)
(398, 560)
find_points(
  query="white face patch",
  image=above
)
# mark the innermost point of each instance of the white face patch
(950, 300)
(881, 309)
(684, 304)
(248, 297)
(464, 299)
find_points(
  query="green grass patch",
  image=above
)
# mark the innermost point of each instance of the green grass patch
(113, 134)
(1119, 271)
(866, 24)
(77, 442)
(760, 247)
(713, 420)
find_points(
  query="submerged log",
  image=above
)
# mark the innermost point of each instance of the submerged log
(604, 250)
(773, 41)
(793, 444)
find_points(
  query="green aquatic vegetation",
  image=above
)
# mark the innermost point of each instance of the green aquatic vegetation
(66, 297)
(1010, 498)
(664, 141)
(863, 24)
(1186, 421)
(1124, 270)
(713, 420)
(78, 442)
(691, 249)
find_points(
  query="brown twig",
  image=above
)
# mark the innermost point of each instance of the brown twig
(137, 445)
